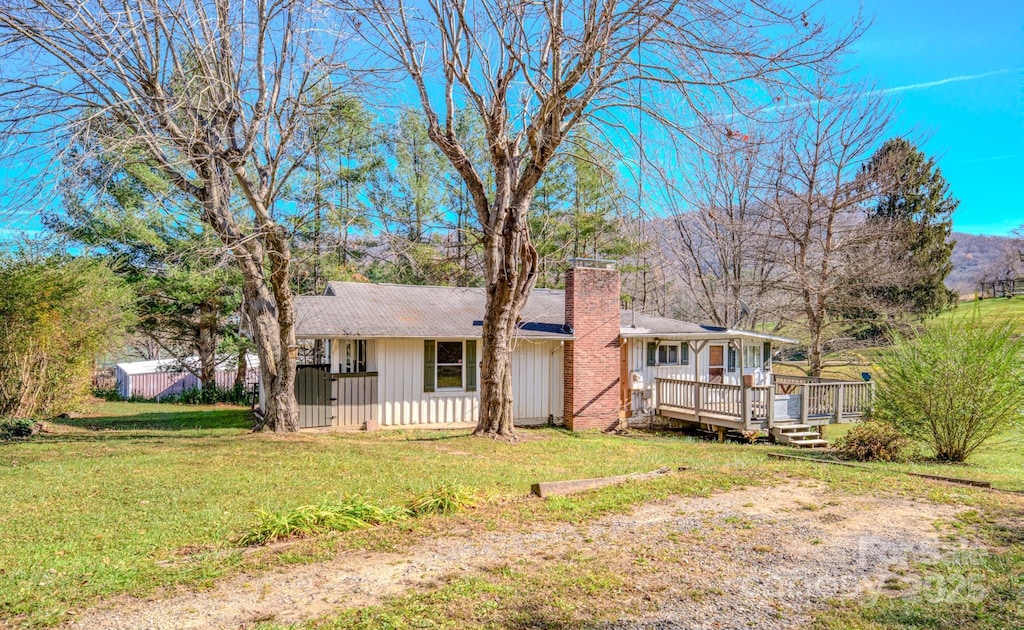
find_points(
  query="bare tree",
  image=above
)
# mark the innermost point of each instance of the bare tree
(719, 248)
(535, 72)
(827, 256)
(212, 95)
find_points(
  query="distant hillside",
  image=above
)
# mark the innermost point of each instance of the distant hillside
(973, 255)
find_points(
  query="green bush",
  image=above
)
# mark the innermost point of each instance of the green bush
(957, 385)
(109, 394)
(873, 441)
(11, 428)
(57, 314)
(209, 396)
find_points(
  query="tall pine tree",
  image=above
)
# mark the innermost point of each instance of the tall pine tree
(916, 201)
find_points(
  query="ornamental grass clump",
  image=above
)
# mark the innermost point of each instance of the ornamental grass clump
(956, 386)
(342, 514)
(444, 498)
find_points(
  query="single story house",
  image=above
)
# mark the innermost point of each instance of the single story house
(390, 356)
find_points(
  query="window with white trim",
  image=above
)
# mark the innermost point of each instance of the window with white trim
(673, 354)
(668, 354)
(450, 365)
(751, 356)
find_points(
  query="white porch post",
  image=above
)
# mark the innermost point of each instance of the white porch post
(335, 353)
(744, 392)
(695, 350)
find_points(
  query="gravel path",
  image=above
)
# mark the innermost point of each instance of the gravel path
(762, 557)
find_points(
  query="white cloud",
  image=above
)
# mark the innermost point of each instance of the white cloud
(931, 84)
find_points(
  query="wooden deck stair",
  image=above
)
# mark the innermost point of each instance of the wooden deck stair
(798, 435)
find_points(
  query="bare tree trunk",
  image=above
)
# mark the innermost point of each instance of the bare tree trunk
(536, 72)
(207, 346)
(510, 267)
(241, 369)
(209, 96)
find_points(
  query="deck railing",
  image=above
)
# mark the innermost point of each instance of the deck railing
(736, 401)
(828, 399)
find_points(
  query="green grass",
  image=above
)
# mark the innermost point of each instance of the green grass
(992, 309)
(341, 514)
(144, 496)
(140, 497)
(867, 359)
(1000, 462)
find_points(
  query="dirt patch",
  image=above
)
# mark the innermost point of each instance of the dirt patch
(763, 557)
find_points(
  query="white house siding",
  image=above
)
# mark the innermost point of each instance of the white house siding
(400, 389)
(399, 364)
(537, 380)
(638, 363)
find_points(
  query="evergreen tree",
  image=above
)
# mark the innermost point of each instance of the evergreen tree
(187, 289)
(578, 212)
(330, 237)
(915, 200)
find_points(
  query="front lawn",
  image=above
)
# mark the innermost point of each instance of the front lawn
(111, 503)
(138, 497)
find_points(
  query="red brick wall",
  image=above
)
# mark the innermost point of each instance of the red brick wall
(592, 359)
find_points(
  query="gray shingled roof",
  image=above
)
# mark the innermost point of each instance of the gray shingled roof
(359, 309)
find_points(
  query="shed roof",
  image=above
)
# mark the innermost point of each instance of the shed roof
(359, 309)
(157, 366)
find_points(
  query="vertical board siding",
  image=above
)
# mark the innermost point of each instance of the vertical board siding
(534, 366)
(556, 397)
(402, 401)
(355, 401)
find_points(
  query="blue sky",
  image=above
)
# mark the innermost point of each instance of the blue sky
(958, 69)
(960, 65)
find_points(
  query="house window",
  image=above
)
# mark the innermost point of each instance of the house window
(673, 354)
(668, 354)
(752, 356)
(732, 359)
(449, 365)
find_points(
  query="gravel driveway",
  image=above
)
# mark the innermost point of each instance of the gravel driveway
(760, 557)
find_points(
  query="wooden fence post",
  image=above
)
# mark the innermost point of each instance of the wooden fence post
(840, 390)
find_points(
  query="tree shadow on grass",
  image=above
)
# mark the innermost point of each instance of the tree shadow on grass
(185, 420)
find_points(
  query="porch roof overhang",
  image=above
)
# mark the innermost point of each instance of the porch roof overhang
(639, 325)
(711, 335)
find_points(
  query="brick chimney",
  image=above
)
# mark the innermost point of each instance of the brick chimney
(591, 360)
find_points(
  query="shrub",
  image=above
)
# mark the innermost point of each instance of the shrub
(57, 314)
(209, 396)
(11, 428)
(873, 441)
(109, 394)
(342, 514)
(445, 498)
(955, 386)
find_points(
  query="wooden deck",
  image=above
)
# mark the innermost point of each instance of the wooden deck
(789, 401)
